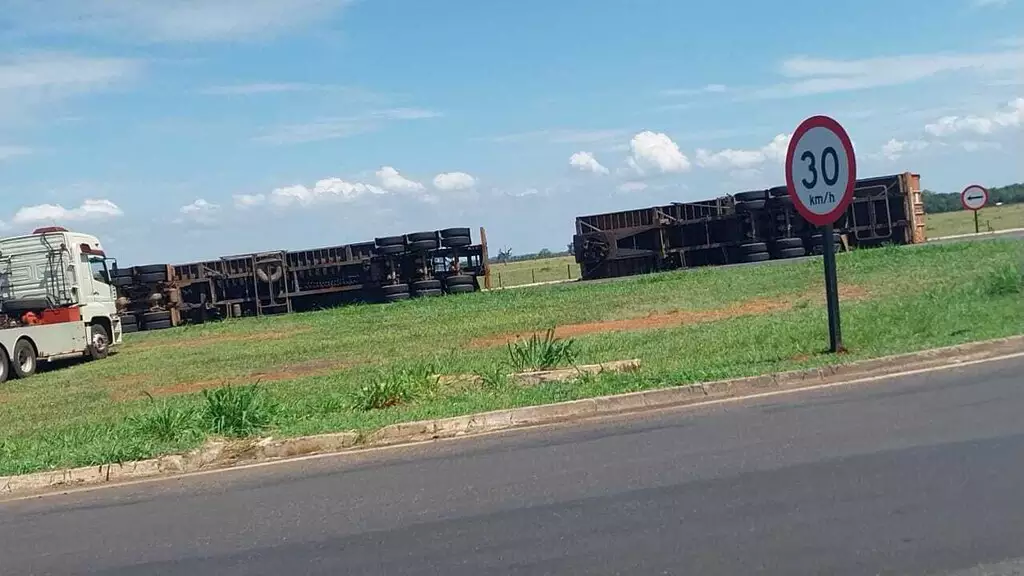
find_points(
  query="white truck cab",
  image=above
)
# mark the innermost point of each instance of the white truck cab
(56, 301)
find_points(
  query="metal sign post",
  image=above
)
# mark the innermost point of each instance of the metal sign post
(974, 198)
(821, 170)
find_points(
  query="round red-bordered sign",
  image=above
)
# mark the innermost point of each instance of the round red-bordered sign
(974, 197)
(821, 142)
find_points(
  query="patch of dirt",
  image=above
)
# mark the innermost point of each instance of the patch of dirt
(287, 372)
(197, 341)
(674, 318)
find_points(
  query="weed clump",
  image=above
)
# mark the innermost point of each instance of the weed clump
(237, 410)
(166, 422)
(1004, 280)
(541, 353)
(396, 386)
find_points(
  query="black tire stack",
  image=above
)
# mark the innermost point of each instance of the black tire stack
(816, 246)
(129, 324)
(395, 292)
(156, 320)
(754, 252)
(750, 201)
(460, 284)
(390, 245)
(456, 238)
(788, 248)
(425, 288)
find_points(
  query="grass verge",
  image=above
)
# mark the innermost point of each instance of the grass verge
(363, 367)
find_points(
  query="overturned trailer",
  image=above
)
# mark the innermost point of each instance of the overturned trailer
(387, 269)
(746, 227)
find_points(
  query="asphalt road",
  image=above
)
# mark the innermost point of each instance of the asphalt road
(914, 475)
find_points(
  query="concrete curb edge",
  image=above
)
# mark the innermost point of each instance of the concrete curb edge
(219, 454)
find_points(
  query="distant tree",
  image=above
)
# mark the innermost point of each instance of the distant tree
(938, 202)
(544, 253)
(504, 255)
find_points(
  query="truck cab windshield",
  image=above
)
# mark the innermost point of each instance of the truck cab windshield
(98, 265)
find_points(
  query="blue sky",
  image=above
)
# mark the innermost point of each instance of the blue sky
(185, 129)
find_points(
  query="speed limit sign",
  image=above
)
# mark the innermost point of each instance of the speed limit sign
(820, 170)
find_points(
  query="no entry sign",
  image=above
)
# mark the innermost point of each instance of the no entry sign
(974, 197)
(820, 170)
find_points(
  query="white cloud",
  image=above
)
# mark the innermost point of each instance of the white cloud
(8, 152)
(170, 20)
(974, 146)
(1011, 117)
(822, 75)
(894, 149)
(328, 189)
(585, 161)
(392, 180)
(91, 209)
(632, 187)
(774, 151)
(341, 127)
(654, 150)
(200, 211)
(561, 136)
(243, 201)
(449, 181)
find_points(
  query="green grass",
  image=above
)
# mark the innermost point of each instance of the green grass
(534, 271)
(363, 367)
(990, 219)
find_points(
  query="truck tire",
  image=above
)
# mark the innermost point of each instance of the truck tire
(396, 297)
(422, 285)
(391, 289)
(461, 289)
(123, 281)
(122, 272)
(756, 257)
(457, 242)
(5, 366)
(779, 192)
(750, 206)
(154, 278)
(391, 249)
(422, 245)
(753, 247)
(753, 196)
(421, 236)
(152, 269)
(783, 243)
(426, 293)
(158, 325)
(23, 358)
(455, 233)
(389, 241)
(129, 328)
(460, 280)
(158, 316)
(792, 252)
(99, 342)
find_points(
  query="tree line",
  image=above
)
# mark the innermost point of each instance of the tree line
(937, 202)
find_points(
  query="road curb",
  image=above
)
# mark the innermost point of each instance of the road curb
(219, 454)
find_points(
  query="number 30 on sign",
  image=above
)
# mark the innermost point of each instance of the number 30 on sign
(820, 170)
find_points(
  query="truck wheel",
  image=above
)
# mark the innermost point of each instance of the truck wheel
(390, 249)
(99, 342)
(461, 289)
(422, 245)
(161, 316)
(23, 359)
(753, 196)
(392, 289)
(396, 297)
(460, 280)
(455, 232)
(778, 192)
(792, 252)
(129, 328)
(457, 242)
(421, 236)
(154, 278)
(5, 366)
(753, 247)
(756, 257)
(389, 241)
(750, 206)
(783, 243)
(158, 325)
(432, 292)
(421, 285)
